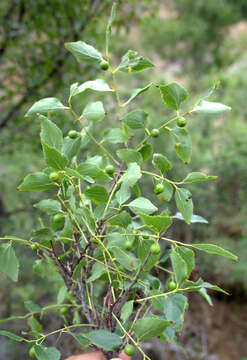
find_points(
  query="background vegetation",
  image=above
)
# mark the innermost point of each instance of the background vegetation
(194, 42)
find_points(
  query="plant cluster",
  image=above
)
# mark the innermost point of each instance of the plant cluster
(101, 235)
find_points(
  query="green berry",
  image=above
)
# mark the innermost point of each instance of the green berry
(63, 310)
(110, 169)
(128, 245)
(34, 247)
(54, 176)
(59, 219)
(73, 134)
(155, 249)
(129, 350)
(159, 188)
(171, 285)
(104, 65)
(32, 353)
(155, 133)
(145, 237)
(181, 121)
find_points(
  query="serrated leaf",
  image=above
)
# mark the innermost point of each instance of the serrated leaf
(53, 157)
(146, 151)
(127, 310)
(135, 93)
(11, 336)
(188, 256)
(96, 85)
(131, 62)
(179, 267)
(123, 194)
(132, 175)
(123, 219)
(115, 136)
(123, 257)
(142, 252)
(196, 177)
(215, 249)
(184, 203)
(211, 108)
(47, 105)
(166, 195)
(175, 306)
(156, 223)
(104, 339)
(161, 162)
(36, 181)
(129, 156)
(94, 111)
(173, 95)
(83, 52)
(48, 206)
(46, 353)
(9, 263)
(81, 339)
(71, 147)
(143, 205)
(150, 327)
(136, 119)
(182, 143)
(92, 170)
(51, 134)
(97, 193)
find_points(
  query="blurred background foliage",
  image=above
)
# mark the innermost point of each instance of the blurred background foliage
(194, 42)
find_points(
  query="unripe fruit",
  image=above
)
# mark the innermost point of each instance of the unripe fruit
(181, 121)
(145, 237)
(110, 169)
(32, 353)
(155, 249)
(59, 219)
(159, 188)
(63, 310)
(104, 65)
(54, 176)
(129, 350)
(34, 247)
(73, 134)
(171, 285)
(128, 245)
(155, 133)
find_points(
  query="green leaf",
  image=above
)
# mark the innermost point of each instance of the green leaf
(32, 307)
(182, 143)
(61, 296)
(215, 249)
(156, 223)
(211, 108)
(123, 257)
(127, 310)
(166, 195)
(194, 218)
(204, 294)
(175, 306)
(196, 177)
(184, 203)
(51, 134)
(11, 336)
(129, 155)
(158, 302)
(143, 205)
(123, 219)
(132, 175)
(150, 327)
(47, 105)
(34, 325)
(131, 62)
(53, 157)
(123, 194)
(161, 162)
(146, 151)
(142, 252)
(188, 256)
(105, 339)
(83, 51)
(115, 136)
(97, 270)
(94, 111)
(36, 181)
(93, 171)
(9, 263)
(173, 95)
(179, 267)
(46, 353)
(136, 119)
(71, 147)
(48, 206)
(96, 85)
(97, 193)
(81, 339)
(135, 93)
(109, 24)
